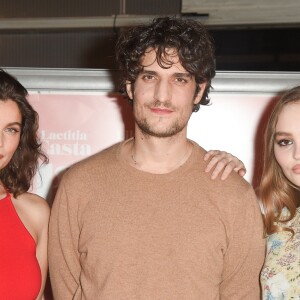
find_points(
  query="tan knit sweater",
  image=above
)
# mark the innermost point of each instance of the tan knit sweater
(119, 233)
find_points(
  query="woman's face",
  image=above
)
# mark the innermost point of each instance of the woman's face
(10, 130)
(287, 142)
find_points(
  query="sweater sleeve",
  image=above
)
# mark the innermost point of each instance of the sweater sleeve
(244, 257)
(64, 263)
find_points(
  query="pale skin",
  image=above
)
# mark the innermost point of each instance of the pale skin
(33, 210)
(287, 142)
(163, 101)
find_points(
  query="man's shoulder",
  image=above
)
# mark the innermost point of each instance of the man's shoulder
(233, 187)
(94, 163)
(234, 193)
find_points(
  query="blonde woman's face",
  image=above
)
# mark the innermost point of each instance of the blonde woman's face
(287, 142)
(10, 130)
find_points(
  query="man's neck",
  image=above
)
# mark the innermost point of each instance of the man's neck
(158, 155)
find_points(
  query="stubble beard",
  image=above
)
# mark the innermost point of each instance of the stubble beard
(147, 130)
(170, 131)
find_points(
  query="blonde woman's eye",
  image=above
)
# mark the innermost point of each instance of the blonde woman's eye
(284, 142)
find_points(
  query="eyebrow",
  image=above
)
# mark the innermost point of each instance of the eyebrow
(282, 133)
(148, 72)
(183, 75)
(14, 123)
(177, 74)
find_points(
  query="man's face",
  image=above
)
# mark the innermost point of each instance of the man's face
(163, 99)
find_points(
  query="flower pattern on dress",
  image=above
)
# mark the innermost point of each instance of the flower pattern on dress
(280, 276)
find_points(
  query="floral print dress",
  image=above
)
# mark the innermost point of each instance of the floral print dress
(280, 276)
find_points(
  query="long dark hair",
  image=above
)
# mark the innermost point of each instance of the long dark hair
(19, 172)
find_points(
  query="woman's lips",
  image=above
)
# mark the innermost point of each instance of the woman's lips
(296, 169)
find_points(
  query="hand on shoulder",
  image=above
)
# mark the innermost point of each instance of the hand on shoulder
(223, 163)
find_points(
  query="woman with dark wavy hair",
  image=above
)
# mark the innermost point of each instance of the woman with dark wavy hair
(23, 216)
(279, 195)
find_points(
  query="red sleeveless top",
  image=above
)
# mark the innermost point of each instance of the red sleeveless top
(20, 274)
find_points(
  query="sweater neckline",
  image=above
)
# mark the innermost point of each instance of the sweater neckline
(175, 173)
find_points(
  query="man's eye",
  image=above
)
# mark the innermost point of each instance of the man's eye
(284, 142)
(181, 80)
(148, 77)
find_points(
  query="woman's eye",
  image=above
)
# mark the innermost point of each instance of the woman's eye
(12, 130)
(284, 142)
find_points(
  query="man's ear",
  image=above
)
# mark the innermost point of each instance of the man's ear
(199, 95)
(129, 89)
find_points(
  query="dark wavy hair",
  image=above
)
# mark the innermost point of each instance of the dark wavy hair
(194, 46)
(19, 172)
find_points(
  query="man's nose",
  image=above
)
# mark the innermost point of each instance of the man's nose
(163, 91)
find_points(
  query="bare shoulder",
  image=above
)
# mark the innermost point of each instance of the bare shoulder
(34, 213)
(35, 206)
(35, 202)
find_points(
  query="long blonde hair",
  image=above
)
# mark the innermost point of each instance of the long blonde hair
(276, 191)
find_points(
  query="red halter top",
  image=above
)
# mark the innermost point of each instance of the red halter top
(20, 274)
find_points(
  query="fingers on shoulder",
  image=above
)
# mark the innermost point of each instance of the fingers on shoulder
(211, 153)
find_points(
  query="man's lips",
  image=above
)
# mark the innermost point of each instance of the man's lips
(161, 111)
(1, 156)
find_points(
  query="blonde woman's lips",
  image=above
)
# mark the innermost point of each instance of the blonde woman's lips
(296, 169)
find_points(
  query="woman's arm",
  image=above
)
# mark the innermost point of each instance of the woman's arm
(42, 245)
(34, 212)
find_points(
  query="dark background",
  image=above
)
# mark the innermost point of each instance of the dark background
(268, 48)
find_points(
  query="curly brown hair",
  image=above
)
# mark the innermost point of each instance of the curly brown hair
(19, 172)
(276, 191)
(194, 46)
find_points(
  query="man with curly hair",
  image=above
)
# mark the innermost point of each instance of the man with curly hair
(142, 219)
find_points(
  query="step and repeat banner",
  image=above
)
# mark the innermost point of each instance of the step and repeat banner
(80, 115)
(73, 127)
